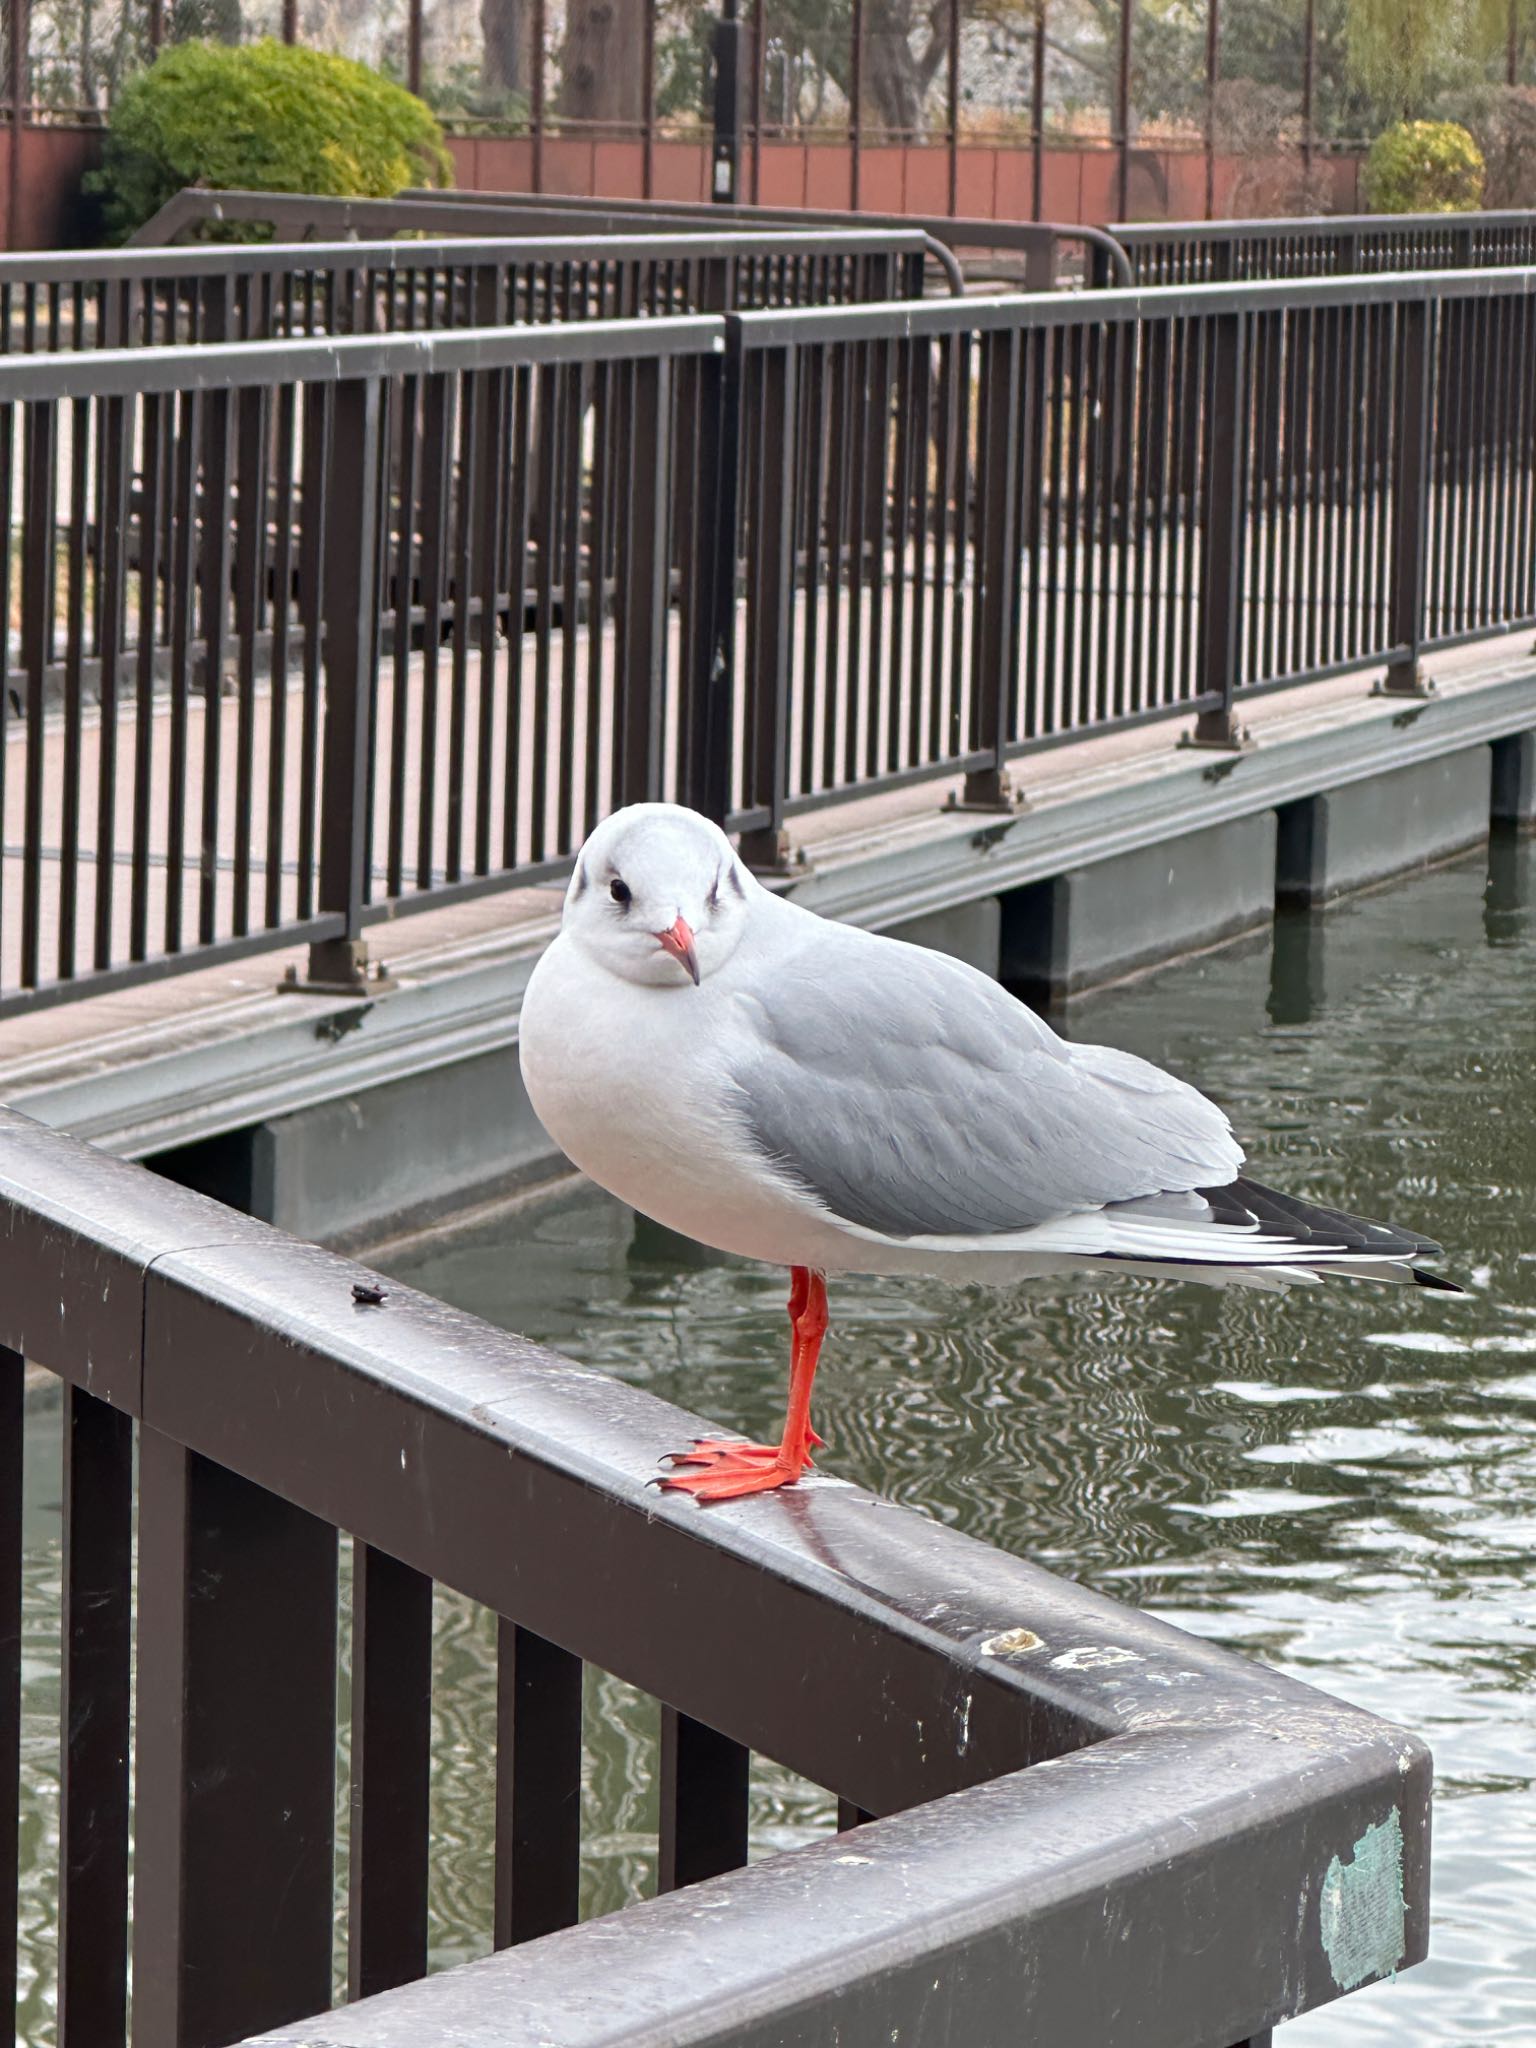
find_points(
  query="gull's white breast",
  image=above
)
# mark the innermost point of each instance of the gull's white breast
(629, 1082)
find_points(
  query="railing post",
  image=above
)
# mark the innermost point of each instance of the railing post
(349, 608)
(647, 479)
(716, 512)
(704, 1784)
(1410, 504)
(995, 642)
(234, 1810)
(1221, 535)
(770, 612)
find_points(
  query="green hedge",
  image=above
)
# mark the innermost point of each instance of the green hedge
(262, 117)
(1424, 167)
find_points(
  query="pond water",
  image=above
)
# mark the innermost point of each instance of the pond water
(1341, 1482)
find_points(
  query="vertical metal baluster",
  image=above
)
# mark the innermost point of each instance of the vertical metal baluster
(402, 610)
(1410, 495)
(490, 553)
(391, 1772)
(573, 411)
(770, 590)
(603, 421)
(116, 417)
(37, 599)
(1222, 534)
(923, 451)
(704, 1786)
(640, 717)
(156, 410)
(350, 612)
(815, 764)
(218, 452)
(95, 1701)
(233, 1912)
(314, 513)
(538, 1786)
(182, 559)
(993, 638)
(1024, 681)
(284, 508)
(519, 500)
(436, 459)
(1058, 711)
(74, 685)
(252, 429)
(838, 709)
(551, 399)
(470, 468)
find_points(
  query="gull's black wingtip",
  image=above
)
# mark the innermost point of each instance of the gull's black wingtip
(1424, 1278)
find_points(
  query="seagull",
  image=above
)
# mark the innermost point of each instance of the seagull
(810, 1095)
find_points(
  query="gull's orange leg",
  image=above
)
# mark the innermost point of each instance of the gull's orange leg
(719, 1469)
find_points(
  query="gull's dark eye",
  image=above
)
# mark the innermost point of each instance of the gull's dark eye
(714, 894)
(619, 891)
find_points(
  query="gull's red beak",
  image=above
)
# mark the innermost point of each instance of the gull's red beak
(678, 941)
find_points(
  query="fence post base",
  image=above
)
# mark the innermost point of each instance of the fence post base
(1221, 729)
(1404, 679)
(767, 852)
(987, 789)
(337, 967)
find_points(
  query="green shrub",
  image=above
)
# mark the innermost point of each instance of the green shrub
(1424, 167)
(262, 117)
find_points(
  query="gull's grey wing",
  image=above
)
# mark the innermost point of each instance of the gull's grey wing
(916, 1098)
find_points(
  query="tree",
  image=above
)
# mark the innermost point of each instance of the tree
(505, 32)
(601, 72)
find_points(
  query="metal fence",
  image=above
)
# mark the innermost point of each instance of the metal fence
(1074, 1823)
(306, 633)
(1338, 245)
(1032, 253)
(154, 297)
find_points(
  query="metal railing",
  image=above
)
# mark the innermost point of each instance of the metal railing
(1091, 1827)
(165, 297)
(1031, 250)
(1325, 245)
(308, 633)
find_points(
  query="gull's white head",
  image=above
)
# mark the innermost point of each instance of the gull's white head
(658, 896)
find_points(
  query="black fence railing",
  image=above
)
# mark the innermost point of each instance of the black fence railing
(1326, 245)
(165, 297)
(1074, 1823)
(1034, 254)
(305, 633)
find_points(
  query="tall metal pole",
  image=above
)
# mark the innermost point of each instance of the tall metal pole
(1037, 111)
(21, 25)
(725, 168)
(412, 43)
(536, 110)
(856, 109)
(759, 76)
(1212, 80)
(291, 26)
(954, 107)
(1512, 47)
(1123, 109)
(648, 101)
(1308, 85)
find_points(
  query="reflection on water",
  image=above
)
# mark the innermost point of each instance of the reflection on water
(1341, 1482)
